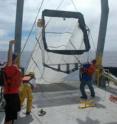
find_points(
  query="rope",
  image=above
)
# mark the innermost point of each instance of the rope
(87, 30)
(91, 38)
(46, 24)
(33, 52)
(56, 9)
(74, 5)
(32, 27)
(26, 66)
(49, 19)
(74, 55)
(90, 53)
(58, 32)
(59, 46)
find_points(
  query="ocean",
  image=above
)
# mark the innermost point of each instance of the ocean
(109, 58)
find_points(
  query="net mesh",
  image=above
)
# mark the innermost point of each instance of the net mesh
(61, 34)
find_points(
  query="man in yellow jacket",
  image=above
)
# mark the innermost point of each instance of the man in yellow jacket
(28, 83)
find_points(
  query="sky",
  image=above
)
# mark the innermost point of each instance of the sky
(89, 8)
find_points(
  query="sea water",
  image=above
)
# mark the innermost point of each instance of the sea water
(109, 58)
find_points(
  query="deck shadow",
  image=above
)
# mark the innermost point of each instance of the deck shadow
(54, 87)
(112, 90)
(56, 99)
(112, 123)
(88, 121)
(61, 98)
(24, 120)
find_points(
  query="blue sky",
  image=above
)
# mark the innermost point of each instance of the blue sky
(89, 8)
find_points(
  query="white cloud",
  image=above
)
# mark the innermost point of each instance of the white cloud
(4, 43)
(89, 8)
(2, 32)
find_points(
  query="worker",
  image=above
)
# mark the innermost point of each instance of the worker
(12, 81)
(28, 84)
(86, 74)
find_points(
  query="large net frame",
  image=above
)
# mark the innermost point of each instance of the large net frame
(57, 51)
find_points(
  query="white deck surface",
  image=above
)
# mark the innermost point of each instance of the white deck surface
(62, 107)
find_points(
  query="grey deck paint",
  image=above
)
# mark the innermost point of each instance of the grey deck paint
(62, 107)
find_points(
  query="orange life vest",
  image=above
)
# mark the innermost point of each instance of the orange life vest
(91, 70)
(12, 79)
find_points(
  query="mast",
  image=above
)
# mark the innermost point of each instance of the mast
(101, 38)
(18, 28)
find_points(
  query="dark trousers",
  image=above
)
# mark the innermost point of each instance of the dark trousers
(82, 88)
(12, 106)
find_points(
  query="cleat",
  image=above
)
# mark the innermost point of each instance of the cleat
(42, 112)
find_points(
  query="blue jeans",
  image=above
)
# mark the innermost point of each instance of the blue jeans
(82, 88)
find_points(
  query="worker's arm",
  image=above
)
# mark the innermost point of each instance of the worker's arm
(10, 52)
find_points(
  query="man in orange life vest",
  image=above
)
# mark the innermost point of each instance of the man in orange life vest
(11, 86)
(28, 83)
(86, 73)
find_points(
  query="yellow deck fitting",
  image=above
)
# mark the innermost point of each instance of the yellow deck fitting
(86, 104)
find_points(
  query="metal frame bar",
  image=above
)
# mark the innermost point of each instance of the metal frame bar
(66, 14)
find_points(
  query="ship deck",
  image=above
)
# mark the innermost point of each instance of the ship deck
(61, 103)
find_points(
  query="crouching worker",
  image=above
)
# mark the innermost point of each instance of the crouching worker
(28, 83)
(12, 81)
